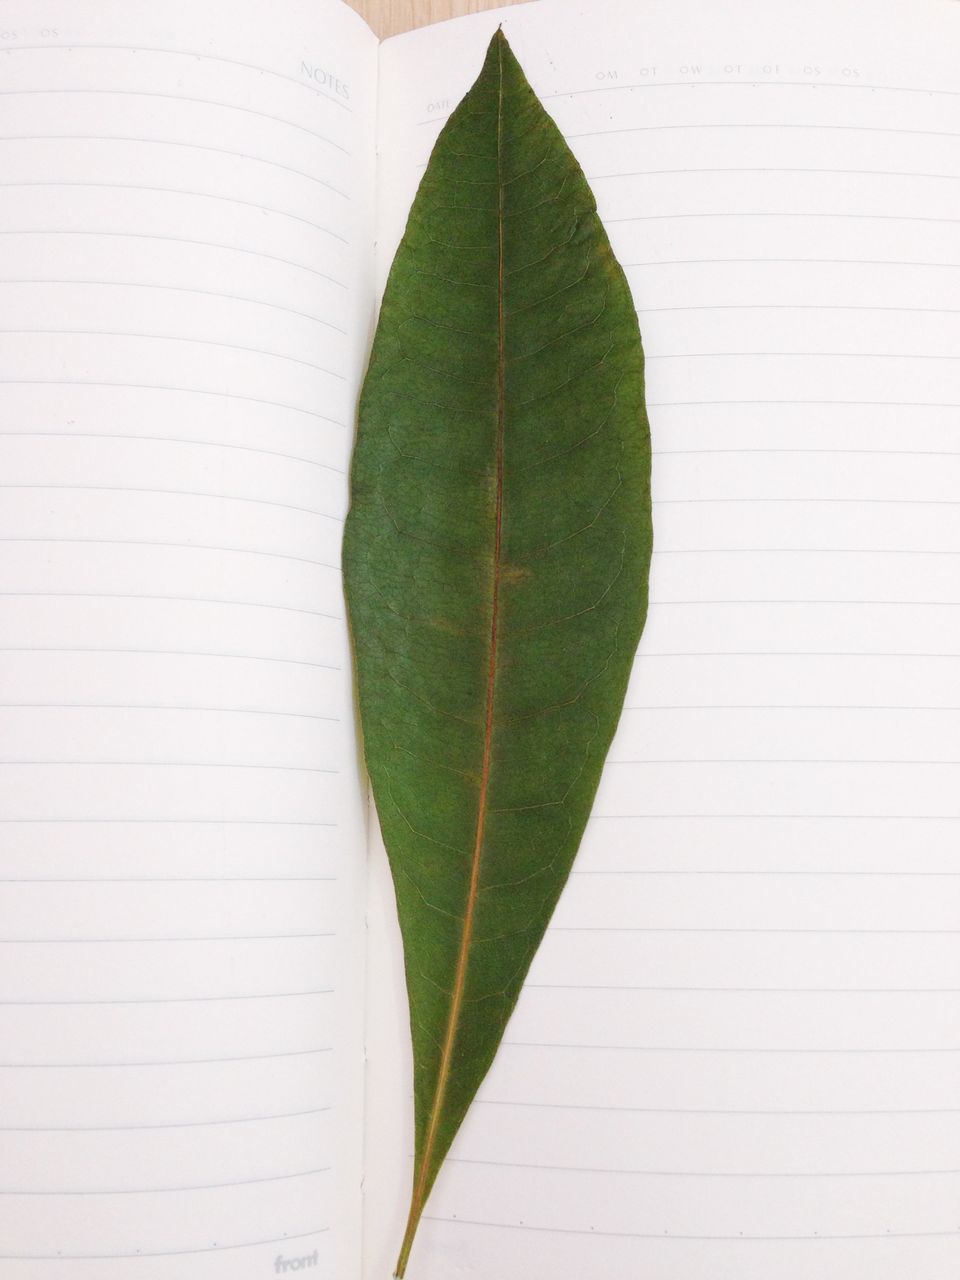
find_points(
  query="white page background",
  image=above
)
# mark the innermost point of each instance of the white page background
(185, 248)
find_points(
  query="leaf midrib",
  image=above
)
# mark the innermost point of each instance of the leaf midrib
(422, 1181)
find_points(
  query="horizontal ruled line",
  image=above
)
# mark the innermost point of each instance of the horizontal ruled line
(827, 453)
(855, 262)
(882, 404)
(840, 173)
(198, 244)
(802, 214)
(174, 1124)
(785, 706)
(666, 1236)
(176, 97)
(721, 1111)
(175, 191)
(779, 932)
(166, 1253)
(790, 817)
(778, 991)
(833, 128)
(165, 764)
(170, 288)
(144, 1000)
(171, 493)
(819, 603)
(702, 1173)
(803, 551)
(136, 941)
(848, 502)
(707, 871)
(795, 355)
(751, 84)
(175, 337)
(177, 440)
(171, 653)
(130, 595)
(167, 1062)
(156, 706)
(151, 1191)
(768, 760)
(180, 546)
(150, 386)
(707, 1049)
(789, 653)
(164, 822)
(180, 53)
(171, 142)
(802, 306)
(171, 879)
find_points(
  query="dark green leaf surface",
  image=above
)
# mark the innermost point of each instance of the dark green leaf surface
(496, 557)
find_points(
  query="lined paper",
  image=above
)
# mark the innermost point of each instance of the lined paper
(736, 1054)
(185, 237)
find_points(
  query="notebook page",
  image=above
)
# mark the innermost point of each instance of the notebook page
(184, 249)
(736, 1055)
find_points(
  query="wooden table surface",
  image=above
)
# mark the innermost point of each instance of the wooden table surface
(389, 17)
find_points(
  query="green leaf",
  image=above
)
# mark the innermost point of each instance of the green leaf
(496, 557)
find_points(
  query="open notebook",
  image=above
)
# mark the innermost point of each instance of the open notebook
(738, 1053)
